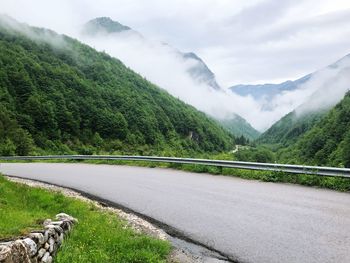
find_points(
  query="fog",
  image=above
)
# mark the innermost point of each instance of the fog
(161, 64)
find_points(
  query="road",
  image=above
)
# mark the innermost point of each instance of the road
(250, 221)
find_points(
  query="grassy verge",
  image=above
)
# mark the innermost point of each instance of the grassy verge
(99, 236)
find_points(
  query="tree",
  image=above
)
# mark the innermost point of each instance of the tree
(346, 151)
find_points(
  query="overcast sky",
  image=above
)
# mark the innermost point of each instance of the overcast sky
(255, 41)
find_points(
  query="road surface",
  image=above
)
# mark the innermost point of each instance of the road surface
(249, 221)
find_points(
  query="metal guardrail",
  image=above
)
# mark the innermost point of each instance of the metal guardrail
(288, 168)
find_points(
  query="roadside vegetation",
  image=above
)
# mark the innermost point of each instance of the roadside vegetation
(98, 237)
(333, 183)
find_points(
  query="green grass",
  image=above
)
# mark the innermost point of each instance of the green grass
(99, 236)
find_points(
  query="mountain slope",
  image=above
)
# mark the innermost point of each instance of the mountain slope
(239, 127)
(288, 129)
(194, 66)
(268, 90)
(103, 25)
(329, 87)
(328, 142)
(58, 95)
(200, 71)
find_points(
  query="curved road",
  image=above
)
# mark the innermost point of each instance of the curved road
(248, 220)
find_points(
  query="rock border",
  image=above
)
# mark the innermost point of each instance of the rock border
(180, 252)
(39, 246)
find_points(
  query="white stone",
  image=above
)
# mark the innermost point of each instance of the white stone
(47, 222)
(46, 257)
(38, 236)
(31, 246)
(57, 223)
(47, 246)
(52, 244)
(4, 252)
(63, 216)
(41, 252)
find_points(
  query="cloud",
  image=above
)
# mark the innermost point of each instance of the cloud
(255, 41)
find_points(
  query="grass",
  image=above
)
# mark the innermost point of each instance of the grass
(99, 236)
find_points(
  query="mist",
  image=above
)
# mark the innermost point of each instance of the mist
(161, 64)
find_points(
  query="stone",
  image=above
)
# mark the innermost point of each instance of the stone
(62, 216)
(52, 245)
(67, 225)
(41, 252)
(38, 238)
(4, 252)
(47, 246)
(50, 230)
(59, 229)
(45, 258)
(53, 229)
(19, 253)
(31, 245)
(8, 243)
(60, 239)
(47, 222)
(57, 223)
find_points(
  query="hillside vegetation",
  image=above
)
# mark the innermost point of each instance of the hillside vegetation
(328, 142)
(239, 127)
(60, 96)
(288, 129)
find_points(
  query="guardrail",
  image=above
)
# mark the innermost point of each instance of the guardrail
(288, 168)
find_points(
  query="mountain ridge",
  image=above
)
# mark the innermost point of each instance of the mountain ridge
(199, 71)
(60, 96)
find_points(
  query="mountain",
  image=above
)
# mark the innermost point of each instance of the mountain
(194, 66)
(260, 91)
(288, 129)
(327, 142)
(60, 96)
(328, 87)
(239, 127)
(103, 25)
(200, 72)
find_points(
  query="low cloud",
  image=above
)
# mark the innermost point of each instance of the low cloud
(242, 42)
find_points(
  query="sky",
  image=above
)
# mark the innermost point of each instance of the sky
(242, 42)
(256, 41)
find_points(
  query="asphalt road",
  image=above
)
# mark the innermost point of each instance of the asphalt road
(248, 220)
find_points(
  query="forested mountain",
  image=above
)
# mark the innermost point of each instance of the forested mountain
(103, 27)
(327, 143)
(288, 129)
(326, 88)
(239, 127)
(58, 95)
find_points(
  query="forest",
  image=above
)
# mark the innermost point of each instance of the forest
(59, 96)
(318, 138)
